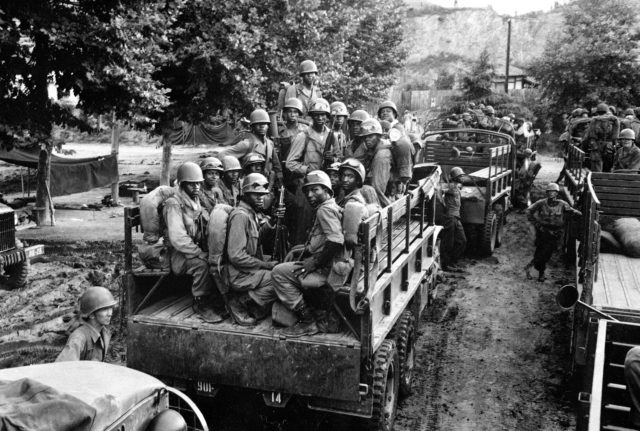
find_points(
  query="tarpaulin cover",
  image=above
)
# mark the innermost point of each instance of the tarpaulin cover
(26, 404)
(69, 175)
(184, 133)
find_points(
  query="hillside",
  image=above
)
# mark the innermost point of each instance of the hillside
(442, 39)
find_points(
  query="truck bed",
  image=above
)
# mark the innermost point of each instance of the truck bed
(617, 285)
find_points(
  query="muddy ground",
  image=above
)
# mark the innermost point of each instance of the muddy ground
(492, 352)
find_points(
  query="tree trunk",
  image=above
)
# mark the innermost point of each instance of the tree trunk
(44, 205)
(115, 144)
(166, 161)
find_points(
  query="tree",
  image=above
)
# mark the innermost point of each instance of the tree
(479, 82)
(445, 80)
(596, 59)
(104, 52)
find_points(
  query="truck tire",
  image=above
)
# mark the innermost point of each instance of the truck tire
(500, 213)
(386, 379)
(16, 276)
(488, 240)
(405, 332)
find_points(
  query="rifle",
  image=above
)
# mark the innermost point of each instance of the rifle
(273, 128)
(328, 146)
(280, 242)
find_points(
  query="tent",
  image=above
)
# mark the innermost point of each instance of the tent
(69, 175)
(184, 133)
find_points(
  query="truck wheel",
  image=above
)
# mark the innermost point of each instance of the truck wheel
(406, 343)
(499, 230)
(488, 240)
(386, 376)
(15, 276)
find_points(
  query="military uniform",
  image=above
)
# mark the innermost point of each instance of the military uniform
(244, 253)
(185, 233)
(287, 134)
(601, 135)
(454, 240)
(210, 197)
(305, 95)
(229, 193)
(327, 226)
(253, 144)
(627, 158)
(86, 343)
(379, 171)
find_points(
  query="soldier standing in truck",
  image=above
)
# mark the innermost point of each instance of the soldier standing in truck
(210, 193)
(230, 177)
(307, 91)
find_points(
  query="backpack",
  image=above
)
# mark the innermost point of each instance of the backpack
(603, 128)
(217, 233)
(151, 210)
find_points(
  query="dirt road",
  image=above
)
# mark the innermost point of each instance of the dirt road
(492, 351)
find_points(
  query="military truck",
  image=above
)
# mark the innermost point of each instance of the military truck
(360, 371)
(14, 257)
(606, 296)
(488, 158)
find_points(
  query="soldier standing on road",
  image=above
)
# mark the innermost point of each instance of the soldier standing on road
(339, 115)
(248, 271)
(454, 240)
(548, 218)
(90, 341)
(307, 91)
(324, 245)
(388, 111)
(210, 193)
(377, 151)
(229, 184)
(628, 155)
(186, 231)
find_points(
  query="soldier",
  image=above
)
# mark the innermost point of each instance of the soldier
(352, 176)
(186, 231)
(632, 378)
(377, 152)
(253, 164)
(292, 127)
(388, 111)
(258, 142)
(339, 115)
(547, 216)
(402, 151)
(307, 91)
(248, 271)
(90, 341)
(334, 175)
(600, 137)
(525, 176)
(454, 240)
(355, 120)
(325, 244)
(229, 184)
(628, 155)
(210, 193)
(489, 111)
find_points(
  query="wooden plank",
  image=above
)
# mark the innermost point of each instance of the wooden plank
(618, 283)
(596, 176)
(622, 212)
(623, 184)
(601, 190)
(615, 197)
(595, 408)
(159, 306)
(174, 308)
(614, 203)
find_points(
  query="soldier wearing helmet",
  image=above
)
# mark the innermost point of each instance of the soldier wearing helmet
(186, 230)
(334, 175)
(548, 217)
(628, 155)
(90, 341)
(339, 115)
(210, 193)
(230, 177)
(352, 177)
(258, 142)
(454, 240)
(308, 154)
(291, 113)
(600, 139)
(354, 122)
(253, 163)
(388, 111)
(307, 91)
(248, 271)
(323, 250)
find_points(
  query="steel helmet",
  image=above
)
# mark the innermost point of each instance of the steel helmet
(320, 105)
(370, 127)
(552, 187)
(259, 116)
(189, 172)
(602, 107)
(308, 66)
(318, 177)
(230, 163)
(211, 164)
(629, 111)
(252, 159)
(489, 110)
(293, 102)
(388, 104)
(359, 115)
(627, 134)
(255, 183)
(456, 172)
(334, 167)
(528, 152)
(95, 298)
(613, 110)
(167, 420)
(339, 108)
(576, 112)
(355, 166)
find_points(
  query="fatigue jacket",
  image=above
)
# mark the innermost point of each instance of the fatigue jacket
(341, 149)
(183, 230)
(210, 197)
(452, 200)
(229, 194)
(287, 135)
(550, 217)
(86, 343)
(380, 171)
(307, 151)
(244, 250)
(306, 96)
(627, 159)
(253, 144)
(403, 152)
(327, 226)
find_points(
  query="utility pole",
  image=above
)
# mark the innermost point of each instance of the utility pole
(506, 72)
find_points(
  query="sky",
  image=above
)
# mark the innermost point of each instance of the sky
(506, 7)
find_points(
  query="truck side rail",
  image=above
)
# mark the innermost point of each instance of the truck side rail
(575, 171)
(590, 240)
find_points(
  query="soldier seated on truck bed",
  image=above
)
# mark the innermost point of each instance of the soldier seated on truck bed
(324, 245)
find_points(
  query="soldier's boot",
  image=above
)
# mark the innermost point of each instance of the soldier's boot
(203, 307)
(527, 270)
(259, 312)
(239, 312)
(306, 324)
(541, 276)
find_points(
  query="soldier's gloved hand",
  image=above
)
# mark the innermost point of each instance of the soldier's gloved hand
(269, 265)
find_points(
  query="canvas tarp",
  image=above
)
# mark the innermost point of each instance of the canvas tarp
(69, 175)
(184, 133)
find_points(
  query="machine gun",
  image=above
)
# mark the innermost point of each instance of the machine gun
(280, 241)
